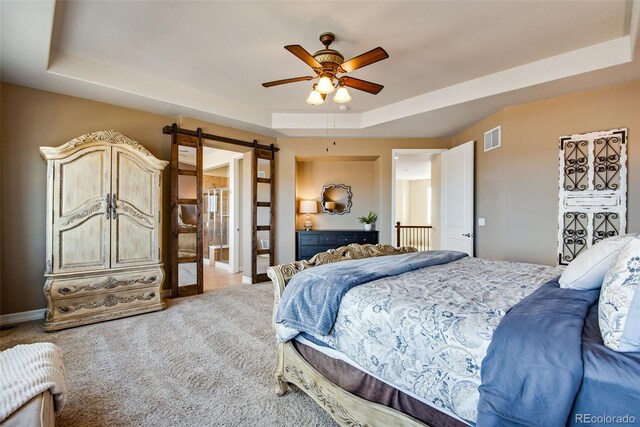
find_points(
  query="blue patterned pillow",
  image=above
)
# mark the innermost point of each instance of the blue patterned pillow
(619, 306)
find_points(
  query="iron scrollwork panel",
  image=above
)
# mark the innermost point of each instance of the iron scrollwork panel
(574, 235)
(606, 164)
(605, 224)
(576, 165)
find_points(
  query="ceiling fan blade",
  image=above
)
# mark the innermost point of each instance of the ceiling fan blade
(301, 53)
(362, 85)
(368, 58)
(285, 81)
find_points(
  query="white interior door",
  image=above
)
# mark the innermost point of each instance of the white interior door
(456, 222)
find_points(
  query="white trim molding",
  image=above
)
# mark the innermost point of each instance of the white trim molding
(21, 317)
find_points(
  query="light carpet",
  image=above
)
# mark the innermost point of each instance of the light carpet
(206, 360)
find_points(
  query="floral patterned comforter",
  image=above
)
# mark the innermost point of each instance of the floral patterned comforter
(428, 330)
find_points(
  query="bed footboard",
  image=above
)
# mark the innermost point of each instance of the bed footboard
(291, 368)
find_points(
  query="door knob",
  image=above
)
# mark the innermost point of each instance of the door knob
(468, 235)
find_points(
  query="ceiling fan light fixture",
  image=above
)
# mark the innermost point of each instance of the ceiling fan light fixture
(342, 96)
(315, 98)
(325, 85)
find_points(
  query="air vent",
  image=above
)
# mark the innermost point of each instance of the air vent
(492, 139)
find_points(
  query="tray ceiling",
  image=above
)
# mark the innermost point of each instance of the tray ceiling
(450, 63)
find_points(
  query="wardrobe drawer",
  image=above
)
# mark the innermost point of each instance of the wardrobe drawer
(106, 302)
(71, 288)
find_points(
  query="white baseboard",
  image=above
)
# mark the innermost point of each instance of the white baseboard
(23, 316)
(246, 280)
(222, 265)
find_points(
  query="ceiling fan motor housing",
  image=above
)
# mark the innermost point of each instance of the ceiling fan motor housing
(329, 58)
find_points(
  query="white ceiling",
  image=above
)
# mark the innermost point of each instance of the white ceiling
(451, 62)
(411, 167)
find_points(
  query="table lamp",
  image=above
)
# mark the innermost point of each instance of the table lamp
(308, 207)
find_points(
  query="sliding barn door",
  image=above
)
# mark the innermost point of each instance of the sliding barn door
(263, 193)
(592, 190)
(186, 214)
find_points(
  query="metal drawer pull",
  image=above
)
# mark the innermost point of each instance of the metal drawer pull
(107, 212)
(114, 205)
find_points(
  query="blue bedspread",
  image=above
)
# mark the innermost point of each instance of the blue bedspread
(311, 300)
(533, 368)
(611, 382)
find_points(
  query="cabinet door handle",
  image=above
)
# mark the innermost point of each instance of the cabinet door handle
(107, 212)
(468, 235)
(114, 205)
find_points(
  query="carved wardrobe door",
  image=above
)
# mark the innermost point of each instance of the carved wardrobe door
(80, 211)
(135, 210)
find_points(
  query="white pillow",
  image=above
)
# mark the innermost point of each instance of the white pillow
(619, 305)
(588, 269)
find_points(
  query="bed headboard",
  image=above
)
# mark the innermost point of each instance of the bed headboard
(281, 274)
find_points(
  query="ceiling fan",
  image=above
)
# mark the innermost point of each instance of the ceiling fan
(327, 64)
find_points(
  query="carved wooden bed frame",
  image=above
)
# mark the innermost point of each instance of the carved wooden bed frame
(346, 408)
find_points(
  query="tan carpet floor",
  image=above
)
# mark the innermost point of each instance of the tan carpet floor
(205, 361)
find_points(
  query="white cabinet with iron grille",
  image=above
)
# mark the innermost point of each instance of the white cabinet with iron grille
(103, 247)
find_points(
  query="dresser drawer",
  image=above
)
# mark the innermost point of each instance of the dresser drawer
(72, 288)
(345, 239)
(327, 239)
(366, 238)
(306, 239)
(309, 251)
(106, 302)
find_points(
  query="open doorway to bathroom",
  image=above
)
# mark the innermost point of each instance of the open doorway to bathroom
(221, 222)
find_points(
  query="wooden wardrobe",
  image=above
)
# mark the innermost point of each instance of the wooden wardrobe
(103, 231)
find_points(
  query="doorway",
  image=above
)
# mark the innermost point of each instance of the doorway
(221, 198)
(415, 197)
(218, 214)
(222, 205)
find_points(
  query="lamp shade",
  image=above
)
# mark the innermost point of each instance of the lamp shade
(325, 85)
(330, 205)
(308, 206)
(315, 98)
(342, 96)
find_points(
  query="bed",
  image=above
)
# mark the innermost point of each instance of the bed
(397, 352)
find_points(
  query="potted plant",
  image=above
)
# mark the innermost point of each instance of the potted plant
(368, 220)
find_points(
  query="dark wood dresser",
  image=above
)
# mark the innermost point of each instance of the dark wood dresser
(311, 242)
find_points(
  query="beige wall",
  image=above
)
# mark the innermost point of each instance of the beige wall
(517, 184)
(315, 148)
(411, 201)
(402, 201)
(34, 118)
(359, 175)
(418, 208)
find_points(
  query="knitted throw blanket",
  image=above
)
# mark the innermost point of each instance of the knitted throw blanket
(28, 370)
